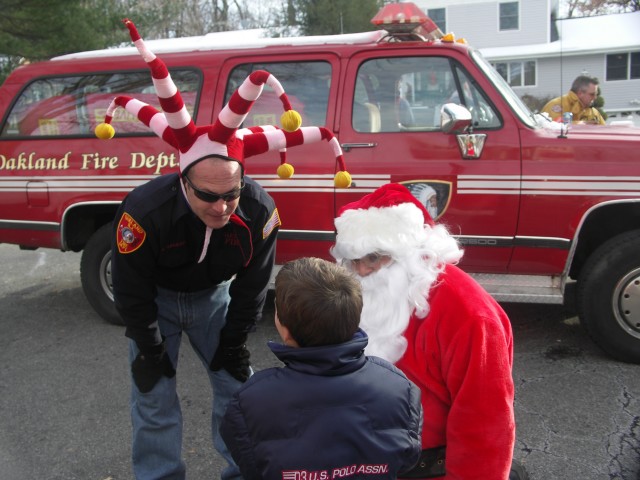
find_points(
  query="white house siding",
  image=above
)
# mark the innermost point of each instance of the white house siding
(583, 45)
(578, 52)
(478, 22)
(473, 22)
(572, 66)
(621, 95)
(535, 21)
(555, 75)
(548, 82)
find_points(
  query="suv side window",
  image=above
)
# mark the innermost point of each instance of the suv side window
(482, 113)
(406, 93)
(306, 84)
(74, 105)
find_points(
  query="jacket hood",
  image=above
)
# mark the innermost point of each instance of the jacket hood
(327, 360)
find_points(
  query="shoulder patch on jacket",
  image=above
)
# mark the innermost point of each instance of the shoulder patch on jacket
(271, 224)
(130, 235)
(557, 108)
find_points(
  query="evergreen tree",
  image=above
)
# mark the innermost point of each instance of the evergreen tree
(599, 104)
(327, 17)
(32, 30)
(40, 29)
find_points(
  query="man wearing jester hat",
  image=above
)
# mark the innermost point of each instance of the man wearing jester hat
(193, 253)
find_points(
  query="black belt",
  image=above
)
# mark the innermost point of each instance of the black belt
(430, 465)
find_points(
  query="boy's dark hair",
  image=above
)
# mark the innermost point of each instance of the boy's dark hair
(318, 301)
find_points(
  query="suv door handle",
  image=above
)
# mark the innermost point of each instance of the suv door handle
(348, 146)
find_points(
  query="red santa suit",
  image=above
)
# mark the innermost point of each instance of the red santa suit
(452, 339)
(461, 356)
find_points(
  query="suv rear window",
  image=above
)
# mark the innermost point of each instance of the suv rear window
(74, 105)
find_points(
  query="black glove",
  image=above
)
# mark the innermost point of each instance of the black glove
(149, 367)
(234, 359)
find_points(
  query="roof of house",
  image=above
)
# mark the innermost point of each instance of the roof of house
(580, 36)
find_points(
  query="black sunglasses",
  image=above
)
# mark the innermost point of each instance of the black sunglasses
(209, 197)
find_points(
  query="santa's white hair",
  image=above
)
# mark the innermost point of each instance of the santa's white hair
(400, 289)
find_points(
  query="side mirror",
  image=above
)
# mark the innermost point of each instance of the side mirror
(454, 118)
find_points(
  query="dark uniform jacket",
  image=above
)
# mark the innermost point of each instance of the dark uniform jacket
(330, 412)
(161, 240)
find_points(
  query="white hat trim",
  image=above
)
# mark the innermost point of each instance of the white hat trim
(202, 147)
(379, 229)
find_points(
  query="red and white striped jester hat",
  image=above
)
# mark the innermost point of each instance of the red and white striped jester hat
(176, 127)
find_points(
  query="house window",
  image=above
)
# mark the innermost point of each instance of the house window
(635, 65)
(438, 16)
(529, 73)
(617, 66)
(623, 66)
(509, 16)
(517, 74)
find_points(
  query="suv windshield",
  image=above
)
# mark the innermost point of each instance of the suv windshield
(505, 90)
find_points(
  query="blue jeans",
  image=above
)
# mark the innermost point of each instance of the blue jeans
(156, 416)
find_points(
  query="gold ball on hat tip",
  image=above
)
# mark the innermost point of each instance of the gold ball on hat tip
(285, 170)
(105, 131)
(290, 121)
(342, 179)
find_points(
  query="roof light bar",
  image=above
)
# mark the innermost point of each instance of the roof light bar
(406, 19)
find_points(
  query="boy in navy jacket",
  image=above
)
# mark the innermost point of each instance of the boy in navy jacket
(330, 411)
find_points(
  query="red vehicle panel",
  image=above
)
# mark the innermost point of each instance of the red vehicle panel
(533, 204)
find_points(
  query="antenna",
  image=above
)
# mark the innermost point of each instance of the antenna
(566, 122)
(561, 62)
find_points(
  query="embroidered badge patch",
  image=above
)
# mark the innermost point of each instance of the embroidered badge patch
(272, 223)
(130, 235)
(556, 108)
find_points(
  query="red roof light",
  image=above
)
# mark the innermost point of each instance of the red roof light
(399, 13)
(404, 18)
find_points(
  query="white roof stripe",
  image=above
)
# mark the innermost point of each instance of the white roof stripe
(240, 39)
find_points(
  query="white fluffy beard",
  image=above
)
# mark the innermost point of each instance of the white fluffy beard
(386, 311)
(390, 297)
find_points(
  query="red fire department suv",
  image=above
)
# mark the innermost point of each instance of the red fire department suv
(534, 204)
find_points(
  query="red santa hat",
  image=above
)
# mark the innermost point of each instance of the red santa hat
(176, 127)
(389, 220)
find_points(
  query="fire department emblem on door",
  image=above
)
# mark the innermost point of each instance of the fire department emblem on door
(433, 194)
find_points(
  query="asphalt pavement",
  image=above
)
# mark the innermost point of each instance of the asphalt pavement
(64, 387)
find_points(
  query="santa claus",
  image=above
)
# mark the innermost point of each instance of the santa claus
(439, 326)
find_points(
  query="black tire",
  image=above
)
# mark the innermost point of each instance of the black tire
(95, 274)
(609, 297)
